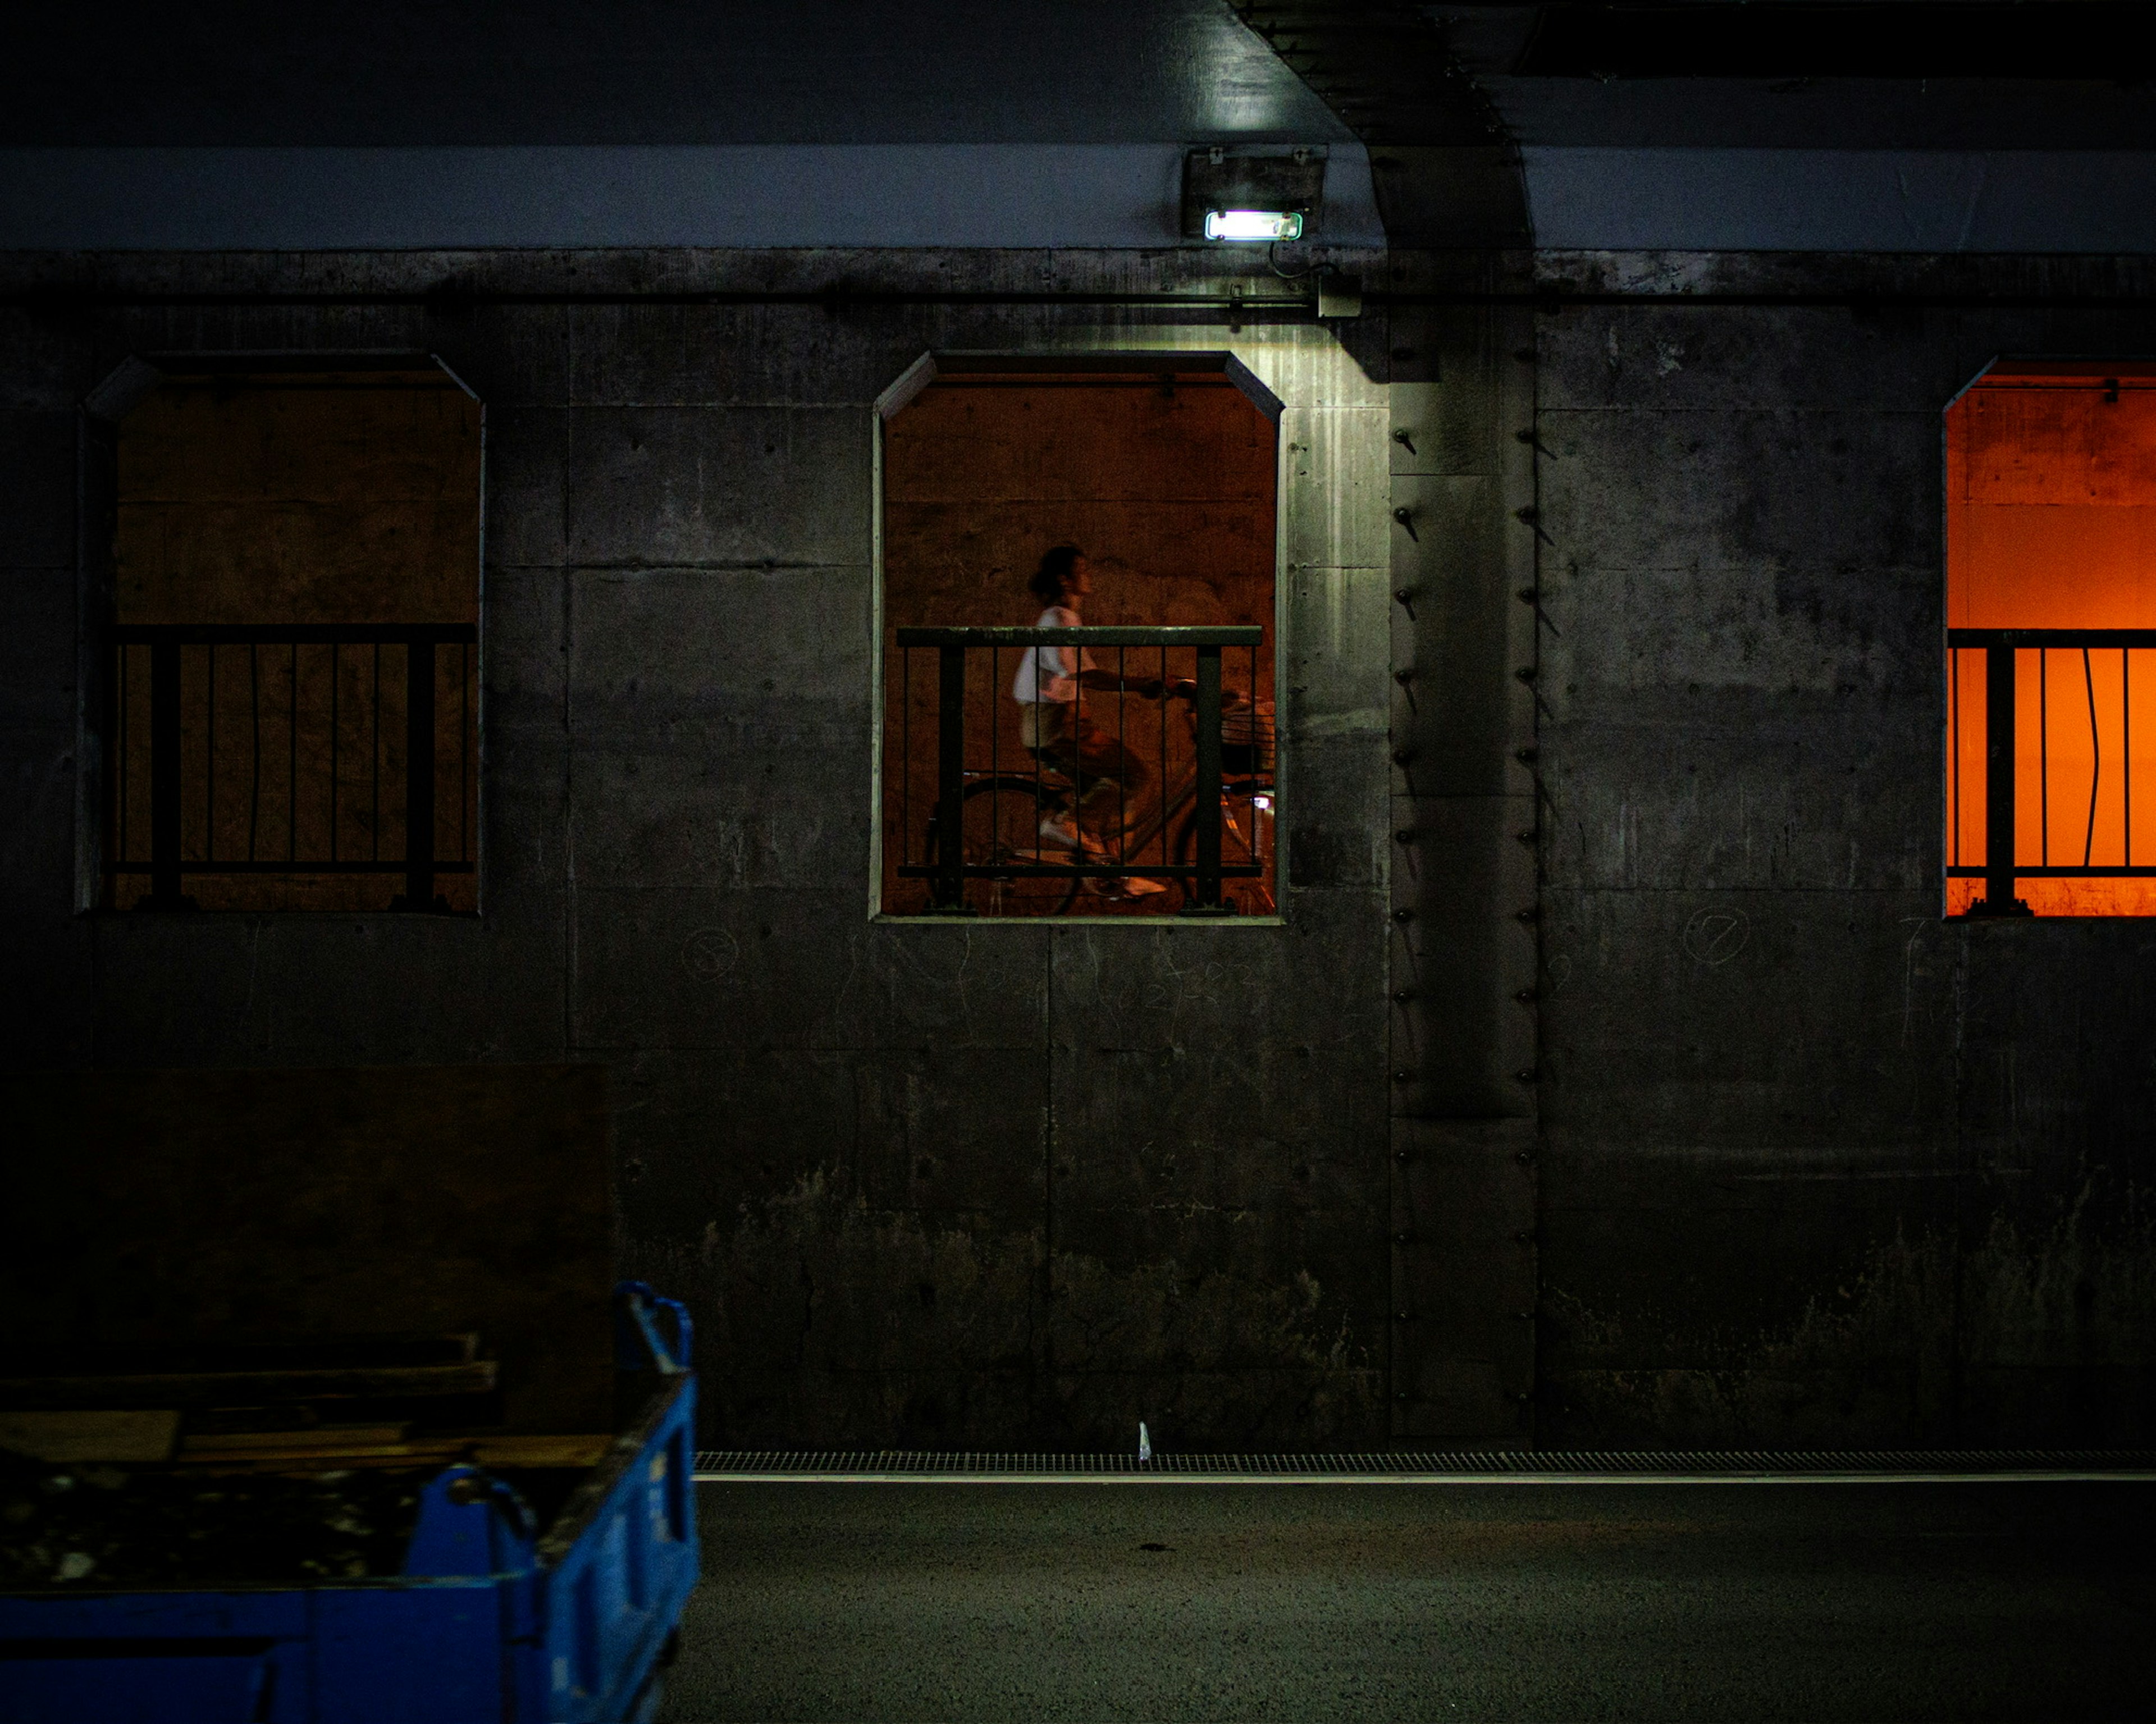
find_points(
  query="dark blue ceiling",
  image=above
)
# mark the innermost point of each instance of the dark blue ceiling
(655, 72)
(1792, 111)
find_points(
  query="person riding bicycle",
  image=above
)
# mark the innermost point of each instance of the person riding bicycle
(1052, 723)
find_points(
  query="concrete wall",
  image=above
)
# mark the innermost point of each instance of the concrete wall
(1817, 1166)
(1812, 1164)
(920, 1184)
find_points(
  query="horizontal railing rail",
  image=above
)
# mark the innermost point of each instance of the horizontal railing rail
(179, 749)
(949, 869)
(1086, 635)
(294, 634)
(2004, 865)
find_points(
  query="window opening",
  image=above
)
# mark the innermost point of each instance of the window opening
(1078, 611)
(2051, 641)
(292, 655)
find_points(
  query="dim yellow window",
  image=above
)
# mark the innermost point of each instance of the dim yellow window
(291, 662)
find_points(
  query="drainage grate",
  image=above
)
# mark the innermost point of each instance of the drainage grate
(1546, 1465)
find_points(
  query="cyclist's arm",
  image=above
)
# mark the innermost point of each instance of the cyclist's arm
(1152, 687)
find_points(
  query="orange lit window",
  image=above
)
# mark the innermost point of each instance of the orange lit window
(2052, 570)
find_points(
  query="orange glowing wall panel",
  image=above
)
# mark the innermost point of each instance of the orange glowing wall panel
(2051, 524)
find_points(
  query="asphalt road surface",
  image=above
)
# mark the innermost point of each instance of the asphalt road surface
(1370, 1602)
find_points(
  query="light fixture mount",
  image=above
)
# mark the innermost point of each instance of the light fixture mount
(1233, 187)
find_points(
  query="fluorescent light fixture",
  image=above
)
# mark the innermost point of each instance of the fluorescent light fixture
(1254, 224)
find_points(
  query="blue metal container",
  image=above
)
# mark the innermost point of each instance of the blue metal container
(493, 1618)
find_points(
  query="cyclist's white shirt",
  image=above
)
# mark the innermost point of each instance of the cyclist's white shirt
(1047, 674)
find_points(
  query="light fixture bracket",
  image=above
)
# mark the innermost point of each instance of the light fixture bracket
(1218, 178)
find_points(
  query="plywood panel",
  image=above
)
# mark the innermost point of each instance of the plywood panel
(292, 504)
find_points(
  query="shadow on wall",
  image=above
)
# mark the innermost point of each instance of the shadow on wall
(2020, 1337)
(844, 1324)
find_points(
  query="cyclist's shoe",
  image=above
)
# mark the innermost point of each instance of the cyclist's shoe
(1132, 886)
(1060, 830)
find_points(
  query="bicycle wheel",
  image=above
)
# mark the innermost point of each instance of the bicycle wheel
(1002, 825)
(1246, 835)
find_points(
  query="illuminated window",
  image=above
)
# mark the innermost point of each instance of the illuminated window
(2051, 642)
(1128, 495)
(290, 668)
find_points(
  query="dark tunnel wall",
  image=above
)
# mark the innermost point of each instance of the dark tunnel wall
(1817, 1164)
(1810, 1163)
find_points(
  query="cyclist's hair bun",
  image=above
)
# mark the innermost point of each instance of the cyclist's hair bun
(1054, 574)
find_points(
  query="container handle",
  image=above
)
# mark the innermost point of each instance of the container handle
(638, 1342)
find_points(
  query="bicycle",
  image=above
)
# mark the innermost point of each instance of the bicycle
(1004, 810)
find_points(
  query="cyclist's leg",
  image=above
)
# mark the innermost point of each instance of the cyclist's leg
(1115, 806)
(1115, 779)
(1047, 732)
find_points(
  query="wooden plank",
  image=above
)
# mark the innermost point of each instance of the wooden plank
(577, 1451)
(331, 1436)
(133, 1433)
(323, 1449)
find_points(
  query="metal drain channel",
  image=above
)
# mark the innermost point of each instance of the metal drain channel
(1880, 1466)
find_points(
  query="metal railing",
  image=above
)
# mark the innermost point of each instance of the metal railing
(2083, 652)
(299, 722)
(1178, 835)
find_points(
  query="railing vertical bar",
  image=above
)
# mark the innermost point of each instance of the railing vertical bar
(1998, 778)
(906, 755)
(1122, 782)
(374, 764)
(2095, 757)
(1165, 820)
(463, 751)
(119, 728)
(292, 758)
(2126, 748)
(995, 766)
(1208, 779)
(1067, 713)
(1031, 716)
(1255, 754)
(209, 756)
(419, 774)
(255, 751)
(1953, 705)
(2044, 751)
(336, 665)
(165, 774)
(950, 777)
